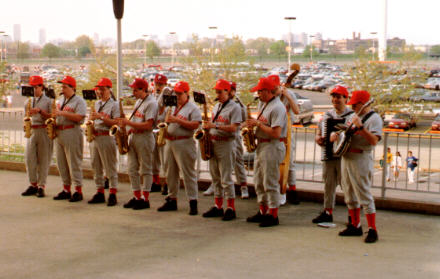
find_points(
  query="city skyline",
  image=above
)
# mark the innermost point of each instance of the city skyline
(247, 19)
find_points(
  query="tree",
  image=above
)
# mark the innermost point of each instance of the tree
(261, 45)
(23, 50)
(152, 49)
(278, 48)
(435, 50)
(306, 52)
(84, 45)
(51, 51)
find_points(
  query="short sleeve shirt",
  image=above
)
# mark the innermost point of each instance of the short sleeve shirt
(274, 115)
(373, 125)
(109, 109)
(287, 104)
(146, 110)
(76, 104)
(44, 103)
(230, 114)
(189, 112)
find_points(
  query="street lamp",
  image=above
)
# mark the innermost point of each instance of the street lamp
(374, 49)
(289, 19)
(6, 47)
(145, 49)
(212, 44)
(311, 48)
(172, 50)
(1, 46)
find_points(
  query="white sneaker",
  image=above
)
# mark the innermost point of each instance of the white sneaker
(209, 191)
(282, 199)
(244, 192)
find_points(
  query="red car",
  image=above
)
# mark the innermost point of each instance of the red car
(403, 121)
(436, 124)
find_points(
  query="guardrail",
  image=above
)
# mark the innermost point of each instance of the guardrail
(426, 147)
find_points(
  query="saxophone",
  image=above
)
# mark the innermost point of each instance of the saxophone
(204, 138)
(120, 133)
(51, 123)
(163, 127)
(90, 124)
(248, 133)
(28, 120)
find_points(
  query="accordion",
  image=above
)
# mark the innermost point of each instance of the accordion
(329, 126)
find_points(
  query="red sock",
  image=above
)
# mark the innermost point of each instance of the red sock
(263, 209)
(292, 187)
(34, 184)
(357, 214)
(218, 202)
(78, 189)
(243, 184)
(156, 179)
(351, 213)
(101, 190)
(329, 211)
(273, 212)
(113, 190)
(371, 220)
(146, 195)
(231, 203)
(137, 194)
(67, 188)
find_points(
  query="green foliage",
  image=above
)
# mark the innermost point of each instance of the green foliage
(278, 48)
(435, 50)
(84, 45)
(24, 50)
(51, 51)
(306, 52)
(262, 45)
(152, 49)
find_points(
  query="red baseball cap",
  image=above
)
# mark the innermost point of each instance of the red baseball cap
(35, 80)
(264, 84)
(340, 90)
(233, 85)
(181, 87)
(139, 83)
(105, 82)
(69, 81)
(159, 78)
(275, 79)
(359, 96)
(222, 84)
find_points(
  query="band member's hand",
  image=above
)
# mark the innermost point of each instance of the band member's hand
(319, 140)
(356, 121)
(208, 125)
(59, 112)
(283, 90)
(95, 115)
(33, 111)
(251, 122)
(334, 137)
(172, 119)
(122, 122)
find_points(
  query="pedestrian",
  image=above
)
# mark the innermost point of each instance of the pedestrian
(411, 164)
(389, 160)
(396, 165)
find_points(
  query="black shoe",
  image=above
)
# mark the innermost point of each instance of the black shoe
(292, 197)
(351, 231)
(371, 236)
(193, 207)
(165, 189)
(76, 197)
(97, 198)
(112, 200)
(30, 191)
(130, 203)
(257, 218)
(269, 221)
(106, 183)
(214, 212)
(323, 218)
(63, 195)
(229, 215)
(169, 205)
(155, 187)
(141, 204)
(40, 193)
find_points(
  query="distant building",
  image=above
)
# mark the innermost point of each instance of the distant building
(96, 39)
(17, 32)
(42, 37)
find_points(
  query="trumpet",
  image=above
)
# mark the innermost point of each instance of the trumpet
(28, 120)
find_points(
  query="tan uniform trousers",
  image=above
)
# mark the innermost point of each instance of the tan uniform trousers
(69, 153)
(220, 167)
(331, 174)
(240, 172)
(140, 160)
(103, 152)
(39, 149)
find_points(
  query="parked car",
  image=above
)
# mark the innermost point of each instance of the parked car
(402, 121)
(430, 96)
(435, 126)
(432, 83)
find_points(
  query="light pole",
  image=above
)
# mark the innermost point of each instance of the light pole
(289, 19)
(6, 47)
(374, 49)
(172, 50)
(311, 48)
(145, 49)
(118, 10)
(1, 45)
(212, 44)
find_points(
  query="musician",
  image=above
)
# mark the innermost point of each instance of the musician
(103, 147)
(160, 82)
(226, 117)
(70, 113)
(39, 147)
(331, 166)
(141, 144)
(357, 166)
(288, 98)
(181, 149)
(271, 134)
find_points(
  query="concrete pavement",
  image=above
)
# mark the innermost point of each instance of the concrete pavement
(43, 238)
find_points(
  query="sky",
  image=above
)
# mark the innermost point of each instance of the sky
(415, 21)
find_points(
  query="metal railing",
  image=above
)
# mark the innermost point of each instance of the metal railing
(426, 147)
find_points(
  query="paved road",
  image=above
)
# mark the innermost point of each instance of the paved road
(42, 238)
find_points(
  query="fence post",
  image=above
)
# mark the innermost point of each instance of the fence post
(385, 165)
